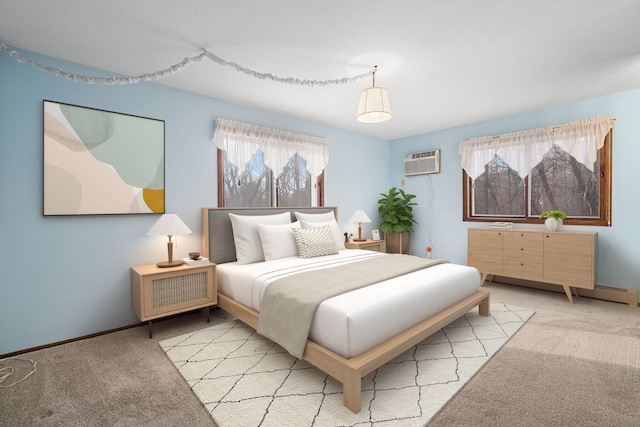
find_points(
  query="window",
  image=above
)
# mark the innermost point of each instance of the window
(517, 176)
(294, 184)
(277, 166)
(255, 186)
(251, 187)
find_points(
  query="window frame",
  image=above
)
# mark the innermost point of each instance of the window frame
(604, 219)
(220, 163)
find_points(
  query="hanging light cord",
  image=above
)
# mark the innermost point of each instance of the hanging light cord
(174, 69)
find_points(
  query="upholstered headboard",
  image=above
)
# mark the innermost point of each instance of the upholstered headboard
(217, 234)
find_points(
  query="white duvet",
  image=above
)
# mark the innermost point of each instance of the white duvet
(352, 323)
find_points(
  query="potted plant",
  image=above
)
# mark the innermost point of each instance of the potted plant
(396, 209)
(554, 219)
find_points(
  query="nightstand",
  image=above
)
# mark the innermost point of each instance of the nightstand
(159, 292)
(370, 245)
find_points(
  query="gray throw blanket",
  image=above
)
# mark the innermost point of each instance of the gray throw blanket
(289, 304)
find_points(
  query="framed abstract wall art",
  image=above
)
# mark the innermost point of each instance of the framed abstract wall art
(101, 162)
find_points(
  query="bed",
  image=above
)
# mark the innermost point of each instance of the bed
(341, 342)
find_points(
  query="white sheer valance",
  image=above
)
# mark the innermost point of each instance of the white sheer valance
(522, 151)
(241, 141)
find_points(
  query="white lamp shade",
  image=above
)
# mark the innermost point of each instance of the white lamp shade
(168, 225)
(359, 216)
(374, 105)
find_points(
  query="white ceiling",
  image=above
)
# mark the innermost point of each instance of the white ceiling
(444, 62)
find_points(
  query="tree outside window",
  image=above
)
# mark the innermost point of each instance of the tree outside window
(256, 187)
(558, 182)
(294, 184)
(251, 187)
(561, 182)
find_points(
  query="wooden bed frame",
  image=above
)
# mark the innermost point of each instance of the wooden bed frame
(347, 371)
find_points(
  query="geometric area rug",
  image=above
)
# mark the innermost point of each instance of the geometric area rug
(244, 379)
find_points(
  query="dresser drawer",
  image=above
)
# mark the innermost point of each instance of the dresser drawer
(525, 269)
(528, 240)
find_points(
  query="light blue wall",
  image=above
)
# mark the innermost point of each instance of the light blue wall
(66, 277)
(618, 264)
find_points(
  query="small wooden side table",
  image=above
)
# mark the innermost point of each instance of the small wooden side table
(159, 292)
(371, 245)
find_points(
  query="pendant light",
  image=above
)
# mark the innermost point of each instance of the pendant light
(374, 104)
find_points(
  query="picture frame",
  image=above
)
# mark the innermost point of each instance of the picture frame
(375, 234)
(99, 162)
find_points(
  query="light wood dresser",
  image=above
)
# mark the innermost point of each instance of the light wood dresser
(563, 258)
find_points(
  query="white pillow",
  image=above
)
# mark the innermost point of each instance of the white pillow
(313, 242)
(333, 226)
(278, 241)
(315, 217)
(247, 238)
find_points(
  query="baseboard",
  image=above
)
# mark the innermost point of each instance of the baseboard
(606, 293)
(57, 343)
(97, 334)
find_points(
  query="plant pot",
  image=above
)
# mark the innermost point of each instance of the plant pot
(394, 239)
(553, 224)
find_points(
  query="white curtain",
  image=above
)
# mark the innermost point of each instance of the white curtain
(522, 151)
(242, 140)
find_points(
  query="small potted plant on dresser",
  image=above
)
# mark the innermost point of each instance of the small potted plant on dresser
(554, 219)
(396, 209)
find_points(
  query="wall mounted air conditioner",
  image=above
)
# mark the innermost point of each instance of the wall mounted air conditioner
(422, 163)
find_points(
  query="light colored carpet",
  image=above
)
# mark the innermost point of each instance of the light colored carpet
(569, 365)
(243, 379)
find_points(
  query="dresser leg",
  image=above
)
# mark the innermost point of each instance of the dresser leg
(150, 330)
(567, 290)
(484, 277)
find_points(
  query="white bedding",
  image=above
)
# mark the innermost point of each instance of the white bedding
(352, 323)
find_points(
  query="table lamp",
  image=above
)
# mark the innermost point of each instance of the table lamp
(359, 216)
(169, 225)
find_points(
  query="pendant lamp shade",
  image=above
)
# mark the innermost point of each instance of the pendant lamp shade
(374, 104)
